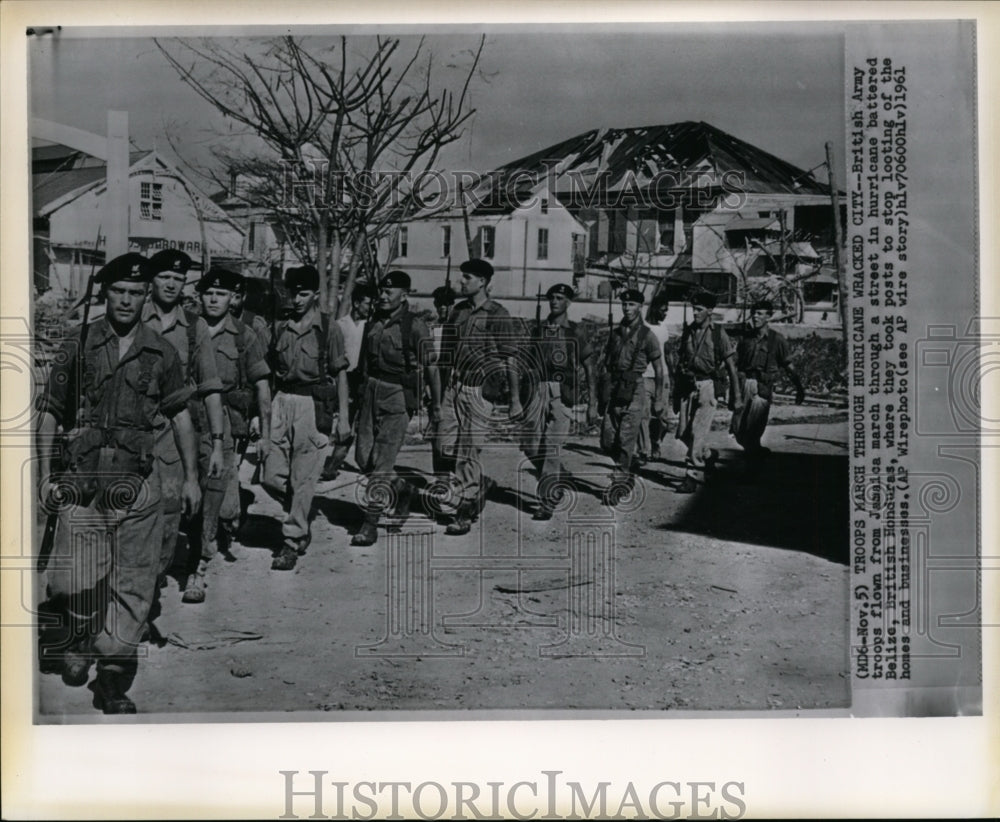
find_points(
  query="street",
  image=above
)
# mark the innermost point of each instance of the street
(732, 598)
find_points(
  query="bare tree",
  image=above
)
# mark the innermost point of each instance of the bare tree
(347, 134)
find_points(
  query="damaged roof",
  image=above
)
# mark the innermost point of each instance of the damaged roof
(678, 157)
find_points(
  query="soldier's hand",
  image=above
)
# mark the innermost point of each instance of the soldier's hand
(191, 495)
(45, 489)
(255, 429)
(216, 461)
(516, 410)
(593, 415)
(434, 416)
(658, 406)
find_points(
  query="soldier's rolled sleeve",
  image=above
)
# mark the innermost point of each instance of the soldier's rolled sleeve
(255, 359)
(175, 392)
(206, 376)
(336, 352)
(781, 352)
(728, 349)
(652, 349)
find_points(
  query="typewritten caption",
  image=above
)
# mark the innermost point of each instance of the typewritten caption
(880, 378)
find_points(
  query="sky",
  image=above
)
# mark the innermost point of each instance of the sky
(778, 86)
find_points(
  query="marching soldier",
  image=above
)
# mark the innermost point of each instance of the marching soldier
(352, 326)
(397, 345)
(242, 369)
(631, 346)
(108, 535)
(188, 334)
(444, 299)
(481, 352)
(310, 402)
(249, 318)
(760, 353)
(564, 351)
(704, 349)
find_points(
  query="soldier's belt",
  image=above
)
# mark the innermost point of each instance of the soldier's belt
(301, 389)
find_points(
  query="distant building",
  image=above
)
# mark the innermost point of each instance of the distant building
(165, 211)
(664, 206)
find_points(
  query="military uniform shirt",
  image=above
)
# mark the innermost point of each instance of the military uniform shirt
(753, 356)
(297, 349)
(229, 358)
(565, 344)
(173, 327)
(631, 349)
(384, 355)
(698, 351)
(118, 392)
(476, 338)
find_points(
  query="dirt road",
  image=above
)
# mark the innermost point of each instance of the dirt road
(733, 598)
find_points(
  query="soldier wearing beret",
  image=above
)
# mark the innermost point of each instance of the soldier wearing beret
(396, 347)
(251, 319)
(352, 326)
(566, 381)
(310, 403)
(240, 363)
(108, 395)
(631, 346)
(479, 347)
(704, 350)
(188, 333)
(761, 354)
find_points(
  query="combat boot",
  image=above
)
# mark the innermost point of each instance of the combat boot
(194, 589)
(462, 523)
(285, 561)
(76, 668)
(368, 534)
(111, 693)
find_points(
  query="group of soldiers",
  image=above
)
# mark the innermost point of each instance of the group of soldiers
(156, 406)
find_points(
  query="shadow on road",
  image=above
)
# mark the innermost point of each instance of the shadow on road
(796, 501)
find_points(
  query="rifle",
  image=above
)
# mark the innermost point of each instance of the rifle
(48, 538)
(447, 274)
(272, 360)
(604, 385)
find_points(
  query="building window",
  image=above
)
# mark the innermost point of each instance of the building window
(446, 241)
(402, 242)
(151, 201)
(545, 205)
(488, 234)
(252, 240)
(543, 244)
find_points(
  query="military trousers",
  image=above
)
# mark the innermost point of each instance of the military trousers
(104, 563)
(654, 426)
(620, 431)
(748, 425)
(220, 496)
(696, 414)
(170, 471)
(547, 427)
(294, 461)
(465, 423)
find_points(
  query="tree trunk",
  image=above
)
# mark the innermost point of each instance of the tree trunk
(336, 255)
(321, 263)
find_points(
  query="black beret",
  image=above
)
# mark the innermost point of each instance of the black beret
(218, 277)
(762, 305)
(363, 291)
(239, 283)
(395, 279)
(443, 295)
(132, 267)
(562, 290)
(703, 297)
(302, 278)
(478, 268)
(631, 295)
(170, 259)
